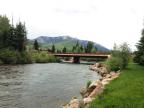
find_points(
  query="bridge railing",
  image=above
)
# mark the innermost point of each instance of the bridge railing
(98, 53)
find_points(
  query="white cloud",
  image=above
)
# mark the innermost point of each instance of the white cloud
(102, 21)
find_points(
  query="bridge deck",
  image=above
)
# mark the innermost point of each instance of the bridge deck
(81, 55)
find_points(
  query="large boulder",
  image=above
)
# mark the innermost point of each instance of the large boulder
(94, 68)
(103, 71)
(94, 84)
(87, 100)
(104, 82)
(108, 76)
(97, 91)
(97, 65)
(92, 87)
(91, 67)
(83, 92)
(74, 103)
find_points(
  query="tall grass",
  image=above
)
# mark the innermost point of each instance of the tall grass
(8, 56)
(43, 57)
(127, 91)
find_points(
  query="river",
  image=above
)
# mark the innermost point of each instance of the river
(42, 85)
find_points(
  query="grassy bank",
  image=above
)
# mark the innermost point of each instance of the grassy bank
(127, 91)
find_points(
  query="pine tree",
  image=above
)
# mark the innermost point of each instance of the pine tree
(73, 49)
(4, 28)
(64, 50)
(81, 48)
(89, 47)
(139, 54)
(36, 45)
(20, 37)
(53, 48)
(11, 39)
(77, 44)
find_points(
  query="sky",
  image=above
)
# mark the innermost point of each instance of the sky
(103, 21)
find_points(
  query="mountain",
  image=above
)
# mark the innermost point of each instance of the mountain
(67, 41)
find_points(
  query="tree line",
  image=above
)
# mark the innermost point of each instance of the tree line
(77, 48)
(13, 37)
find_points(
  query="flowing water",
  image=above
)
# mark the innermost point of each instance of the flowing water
(42, 85)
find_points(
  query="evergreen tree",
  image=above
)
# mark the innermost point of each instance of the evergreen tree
(11, 39)
(94, 50)
(4, 29)
(20, 37)
(53, 48)
(89, 47)
(81, 48)
(77, 44)
(77, 48)
(64, 50)
(36, 45)
(139, 54)
(73, 49)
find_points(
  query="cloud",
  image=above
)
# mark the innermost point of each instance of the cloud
(71, 11)
(102, 21)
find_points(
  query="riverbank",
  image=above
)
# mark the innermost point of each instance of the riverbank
(127, 91)
(8, 56)
(94, 88)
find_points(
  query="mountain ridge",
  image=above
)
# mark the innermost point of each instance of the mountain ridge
(67, 41)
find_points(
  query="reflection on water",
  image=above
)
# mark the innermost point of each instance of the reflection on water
(41, 85)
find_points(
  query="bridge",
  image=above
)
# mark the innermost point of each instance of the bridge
(76, 56)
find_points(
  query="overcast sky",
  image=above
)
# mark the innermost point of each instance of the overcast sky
(103, 21)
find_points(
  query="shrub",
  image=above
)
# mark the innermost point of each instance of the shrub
(43, 57)
(8, 56)
(23, 58)
(122, 53)
(141, 62)
(114, 63)
(1, 62)
(88, 83)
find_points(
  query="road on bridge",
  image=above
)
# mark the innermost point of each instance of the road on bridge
(76, 56)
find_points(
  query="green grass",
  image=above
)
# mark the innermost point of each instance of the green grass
(127, 91)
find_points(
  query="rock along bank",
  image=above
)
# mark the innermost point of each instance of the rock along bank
(95, 88)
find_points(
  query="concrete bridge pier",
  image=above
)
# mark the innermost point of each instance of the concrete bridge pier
(76, 59)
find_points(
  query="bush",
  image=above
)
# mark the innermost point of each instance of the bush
(8, 56)
(88, 83)
(141, 62)
(43, 57)
(23, 58)
(1, 62)
(121, 53)
(114, 63)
